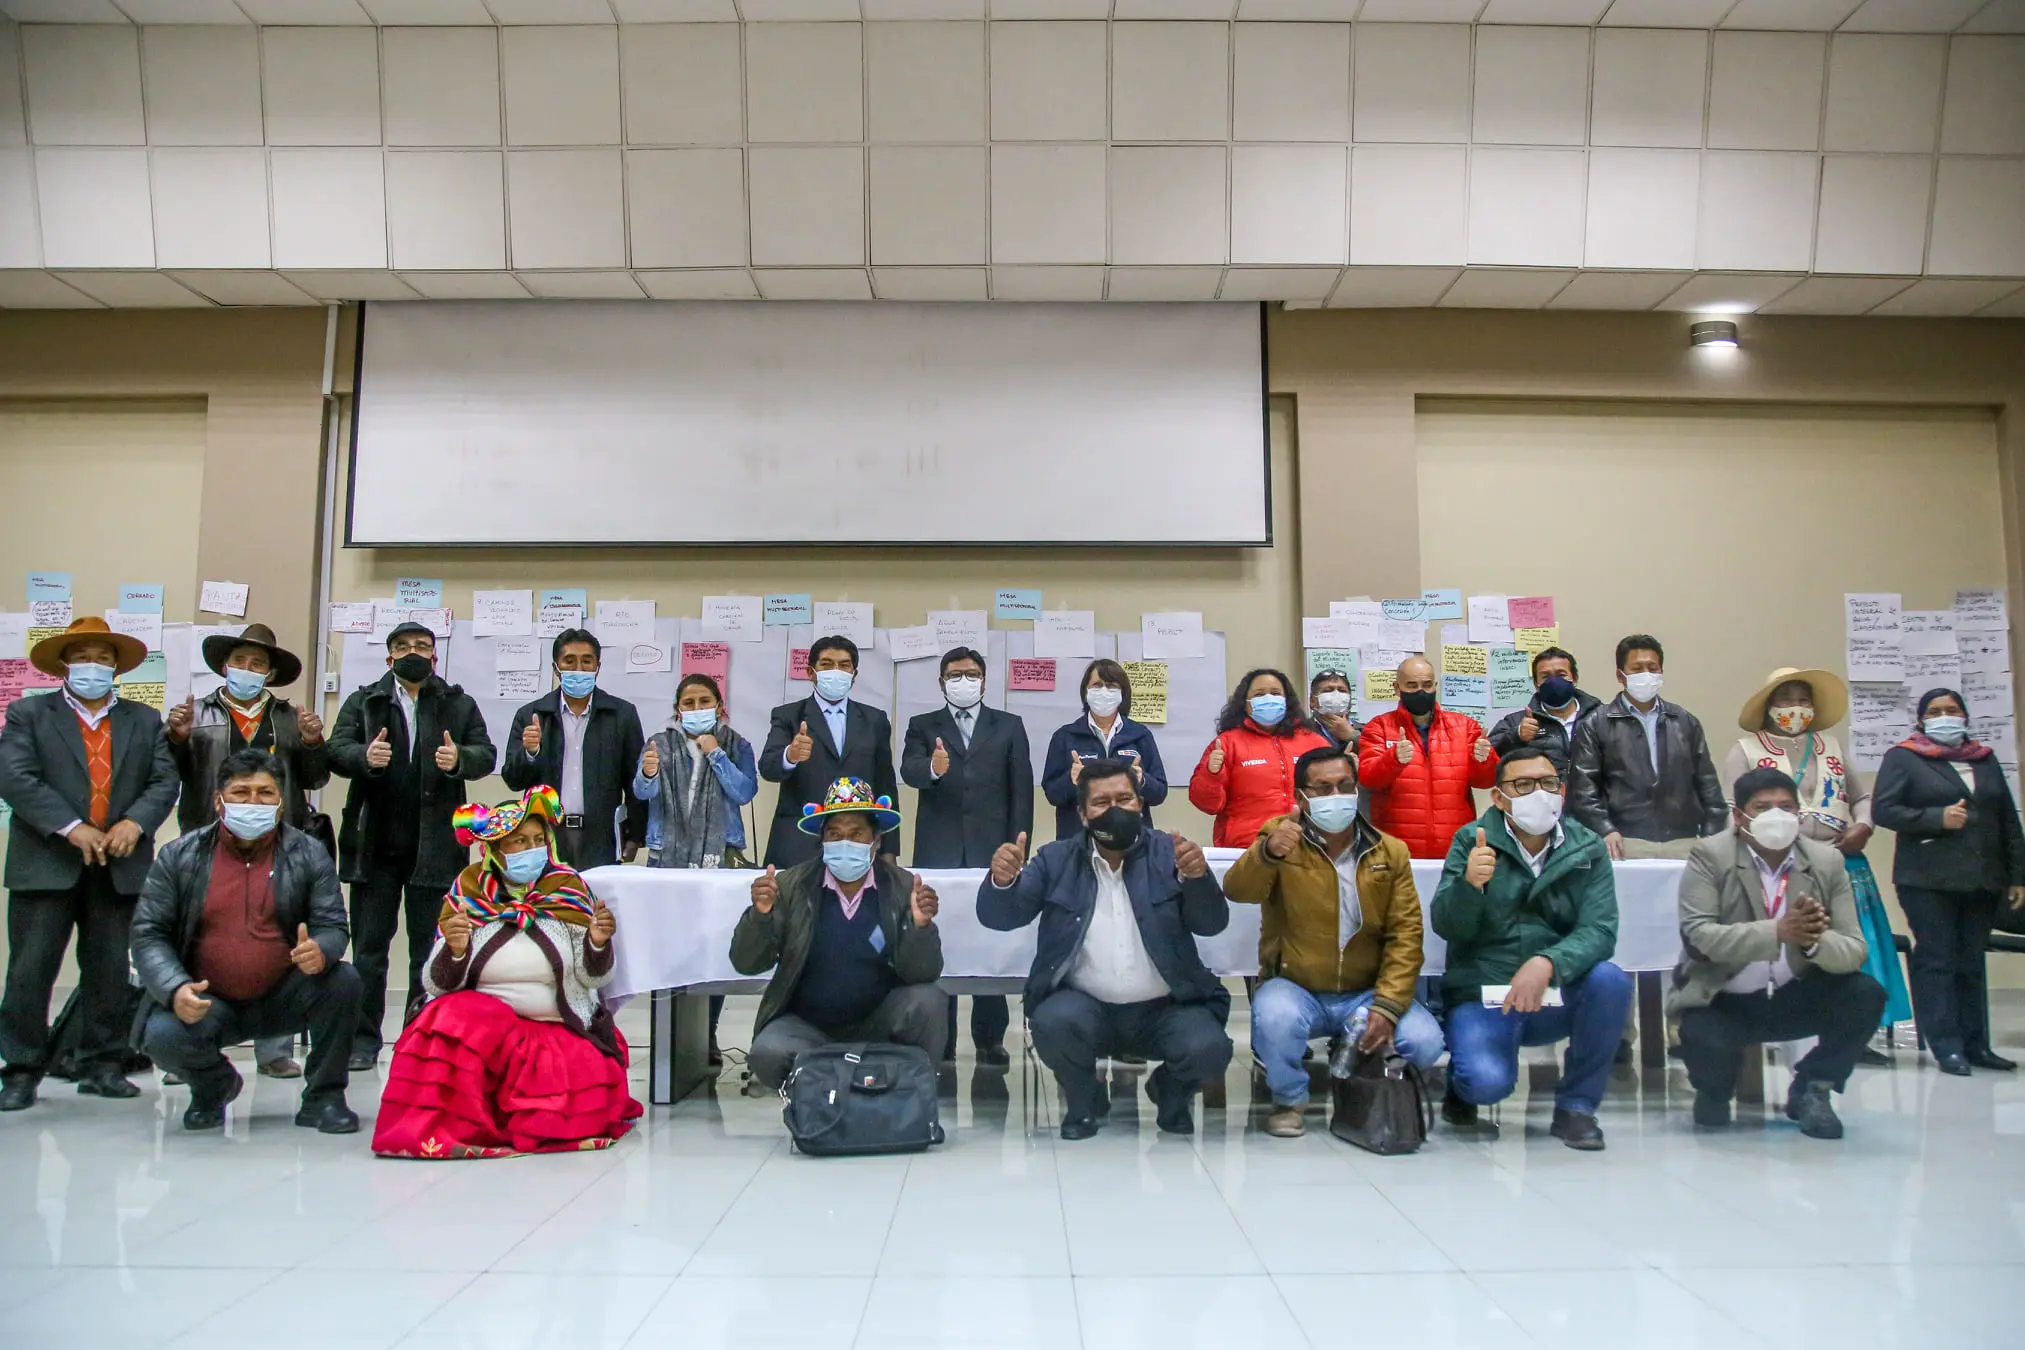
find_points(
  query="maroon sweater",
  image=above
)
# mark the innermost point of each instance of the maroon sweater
(240, 948)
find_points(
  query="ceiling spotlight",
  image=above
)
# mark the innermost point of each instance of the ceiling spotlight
(1713, 333)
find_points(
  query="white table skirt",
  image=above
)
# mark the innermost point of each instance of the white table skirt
(675, 924)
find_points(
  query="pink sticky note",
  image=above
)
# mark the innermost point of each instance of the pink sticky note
(1035, 674)
(1531, 611)
(708, 658)
(798, 664)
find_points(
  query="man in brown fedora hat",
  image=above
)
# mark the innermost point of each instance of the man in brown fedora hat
(90, 781)
(244, 714)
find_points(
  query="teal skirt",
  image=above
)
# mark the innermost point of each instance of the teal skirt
(1881, 961)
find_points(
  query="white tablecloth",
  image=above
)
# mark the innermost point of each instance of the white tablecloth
(675, 925)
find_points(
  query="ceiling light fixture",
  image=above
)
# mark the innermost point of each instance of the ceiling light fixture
(1712, 333)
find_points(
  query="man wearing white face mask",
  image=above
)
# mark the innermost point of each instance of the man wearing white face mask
(1771, 950)
(817, 740)
(1642, 776)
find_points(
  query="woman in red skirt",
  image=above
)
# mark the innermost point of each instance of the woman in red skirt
(513, 1053)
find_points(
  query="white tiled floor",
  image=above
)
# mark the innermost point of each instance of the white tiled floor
(704, 1229)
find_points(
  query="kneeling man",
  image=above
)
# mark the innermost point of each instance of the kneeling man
(1115, 967)
(1771, 950)
(239, 933)
(1340, 932)
(843, 969)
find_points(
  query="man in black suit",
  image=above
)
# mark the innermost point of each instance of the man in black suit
(814, 742)
(975, 775)
(90, 781)
(584, 742)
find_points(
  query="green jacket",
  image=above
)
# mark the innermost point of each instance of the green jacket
(1568, 914)
(781, 939)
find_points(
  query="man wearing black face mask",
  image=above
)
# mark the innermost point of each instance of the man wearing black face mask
(408, 742)
(1558, 707)
(1115, 967)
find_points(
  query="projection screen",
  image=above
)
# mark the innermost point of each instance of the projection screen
(599, 423)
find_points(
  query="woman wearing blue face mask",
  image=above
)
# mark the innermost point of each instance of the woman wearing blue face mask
(514, 1052)
(1960, 858)
(1246, 776)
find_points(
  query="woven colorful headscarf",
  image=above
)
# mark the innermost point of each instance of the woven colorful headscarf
(480, 890)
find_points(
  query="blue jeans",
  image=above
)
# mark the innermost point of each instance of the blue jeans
(1285, 1016)
(1484, 1042)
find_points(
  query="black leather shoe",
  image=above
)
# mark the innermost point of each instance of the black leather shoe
(17, 1093)
(329, 1116)
(208, 1114)
(993, 1057)
(363, 1061)
(1711, 1112)
(1577, 1130)
(106, 1083)
(1079, 1127)
(1811, 1105)
(1174, 1110)
(1459, 1113)
(1958, 1065)
(1989, 1059)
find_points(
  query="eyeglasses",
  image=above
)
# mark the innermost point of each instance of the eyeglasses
(1524, 787)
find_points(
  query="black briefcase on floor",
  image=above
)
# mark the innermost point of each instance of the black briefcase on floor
(862, 1098)
(1381, 1104)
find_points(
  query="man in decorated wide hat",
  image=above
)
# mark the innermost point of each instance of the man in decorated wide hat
(850, 937)
(90, 782)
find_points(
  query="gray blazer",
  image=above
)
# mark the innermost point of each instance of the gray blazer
(1723, 927)
(44, 778)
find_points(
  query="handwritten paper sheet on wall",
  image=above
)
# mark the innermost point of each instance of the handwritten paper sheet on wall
(1149, 691)
(1873, 636)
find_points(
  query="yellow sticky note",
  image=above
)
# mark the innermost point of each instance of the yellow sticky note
(1380, 685)
(1462, 659)
(1530, 640)
(1149, 691)
(36, 635)
(156, 696)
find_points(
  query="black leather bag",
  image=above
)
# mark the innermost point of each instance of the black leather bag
(1381, 1104)
(862, 1098)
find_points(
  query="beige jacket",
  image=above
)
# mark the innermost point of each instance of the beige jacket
(1723, 927)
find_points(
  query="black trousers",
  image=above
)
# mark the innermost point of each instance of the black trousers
(990, 1015)
(1072, 1031)
(39, 925)
(1951, 932)
(325, 1005)
(378, 905)
(569, 845)
(1841, 1010)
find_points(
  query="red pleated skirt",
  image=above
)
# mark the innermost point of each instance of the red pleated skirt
(471, 1078)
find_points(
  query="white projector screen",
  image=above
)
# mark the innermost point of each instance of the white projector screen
(588, 423)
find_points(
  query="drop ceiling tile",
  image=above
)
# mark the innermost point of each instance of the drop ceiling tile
(1526, 206)
(348, 284)
(1629, 291)
(815, 283)
(1979, 218)
(889, 10)
(1291, 82)
(211, 208)
(721, 284)
(465, 285)
(1938, 297)
(1289, 204)
(321, 86)
(1873, 213)
(167, 12)
(1729, 292)
(1047, 283)
(1047, 204)
(1407, 205)
(1049, 82)
(686, 208)
(63, 11)
(2010, 307)
(427, 13)
(330, 209)
(1765, 92)
(562, 85)
(1392, 287)
(1217, 10)
(134, 290)
(566, 209)
(13, 112)
(1412, 83)
(446, 211)
(1299, 11)
(808, 206)
(684, 83)
(1163, 283)
(1169, 205)
(84, 84)
(1757, 211)
(811, 11)
(1910, 16)
(1649, 87)
(1420, 11)
(1641, 209)
(1812, 16)
(805, 82)
(1578, 13)
(582, 285)
(244, 287)
(1170, 81)
(1884, 93)
(926, 81)
(1505, 288)
(20, 229)
(928, 204)
(96, 209)
(39, 290)
(931, 283)
(541, 13)
(1836, 295)
(203, 84)
(1532, 86)
(305, 13)
(1255, 284)
(1666, 13)
(643, 12)
(441, 85)
(1999, 16)
(1985, 109)
(1050, 9)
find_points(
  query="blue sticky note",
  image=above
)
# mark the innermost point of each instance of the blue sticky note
(567, 595)
(1437, 605)
(1016, 604)
(153, 669)
(140, 597)
(418, 592)
(1470, 689)
(789, 609)
(48, 586)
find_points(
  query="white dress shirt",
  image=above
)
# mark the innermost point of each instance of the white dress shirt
(1538, 861)
(1117, 723)
(1112, 966)
(966, 727)
(405, 701)
(571, 789)
(1760, 975)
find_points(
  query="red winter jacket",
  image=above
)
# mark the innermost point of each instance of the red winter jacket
(1256, 784)
(1426, 801)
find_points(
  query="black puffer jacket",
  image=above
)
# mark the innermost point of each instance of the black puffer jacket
(1614, 790)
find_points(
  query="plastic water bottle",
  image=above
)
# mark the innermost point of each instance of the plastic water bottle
(1346, 1045)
